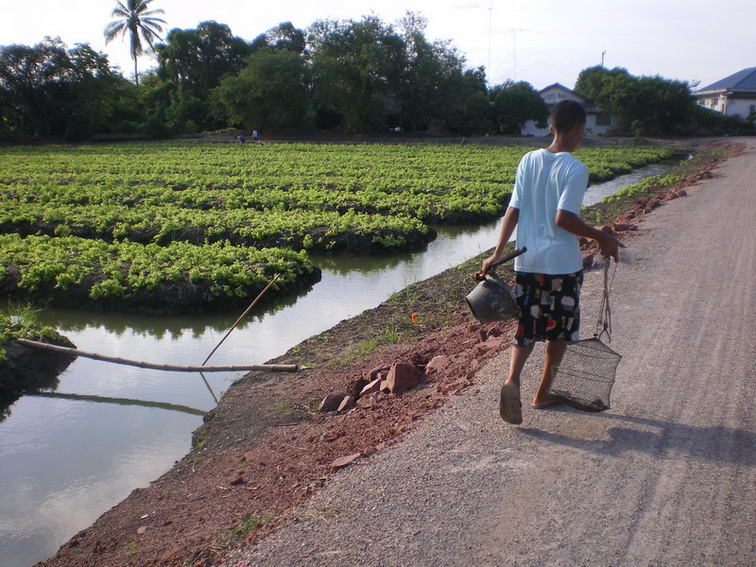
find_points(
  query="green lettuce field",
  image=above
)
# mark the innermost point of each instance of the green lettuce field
(181, 226)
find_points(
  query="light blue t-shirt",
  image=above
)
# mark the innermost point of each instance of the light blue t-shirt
(545, 183)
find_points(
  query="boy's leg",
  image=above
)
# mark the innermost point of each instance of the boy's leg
(563, 324)
(554, 352)
(510, 407)
(520, 356)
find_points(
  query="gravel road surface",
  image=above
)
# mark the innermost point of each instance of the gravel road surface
(664, 478)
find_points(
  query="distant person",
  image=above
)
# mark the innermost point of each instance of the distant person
(544, 206)
(255, 136)
(241, 139)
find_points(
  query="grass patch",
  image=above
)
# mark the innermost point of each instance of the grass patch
(283, 407)
(21, 321)
(363, 349)
(249, 523)
(391, 334)
(130, 548)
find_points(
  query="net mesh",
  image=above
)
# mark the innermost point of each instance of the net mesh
(585, 377)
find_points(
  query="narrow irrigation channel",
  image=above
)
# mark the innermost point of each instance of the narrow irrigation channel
(69, 454)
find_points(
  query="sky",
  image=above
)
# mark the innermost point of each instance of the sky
(539, 41)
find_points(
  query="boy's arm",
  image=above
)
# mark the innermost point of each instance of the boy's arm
(572, 223)
(511, 217)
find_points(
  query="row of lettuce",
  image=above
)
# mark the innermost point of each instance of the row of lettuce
(193, 226)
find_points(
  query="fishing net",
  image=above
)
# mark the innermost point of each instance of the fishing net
(585, 376)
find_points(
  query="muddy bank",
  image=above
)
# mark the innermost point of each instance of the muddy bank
(265, 448)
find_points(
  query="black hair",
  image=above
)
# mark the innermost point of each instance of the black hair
(566, 115)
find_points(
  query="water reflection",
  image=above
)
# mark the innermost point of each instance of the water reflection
(342, 265)
(64, 462)
(120, 402)
(160, 327)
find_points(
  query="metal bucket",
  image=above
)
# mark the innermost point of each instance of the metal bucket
(491, 300)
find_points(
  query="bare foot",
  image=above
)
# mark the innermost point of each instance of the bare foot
(544, 402)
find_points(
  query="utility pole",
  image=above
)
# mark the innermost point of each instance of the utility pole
(602, 57)
(490, 33)
(514, 49)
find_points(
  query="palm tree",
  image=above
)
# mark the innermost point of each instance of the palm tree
(136, 20)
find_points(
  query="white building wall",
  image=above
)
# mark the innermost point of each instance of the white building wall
(594, 129)
(530, 129)
(556, 94)
(591, 128)
(742, 107)
(728, 106)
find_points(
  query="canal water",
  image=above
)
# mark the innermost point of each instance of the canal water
(68, 455)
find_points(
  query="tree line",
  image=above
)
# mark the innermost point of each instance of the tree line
(653, 104)
(351, 76)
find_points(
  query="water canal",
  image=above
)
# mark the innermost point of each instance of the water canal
(69, 455)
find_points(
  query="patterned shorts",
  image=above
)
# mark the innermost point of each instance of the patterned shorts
(549, 307)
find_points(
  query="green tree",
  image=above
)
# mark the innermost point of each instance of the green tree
(422, 74)
(283, 36)
(270, 93)
(639, 104)
(516, 103)
(139, 23)
(357, 67)
(157, 98)
(617, 93)
(465, 107)
(49, 90)
(195, 61)
(93, 89)
(32, 81)
(593, 82)
(671, 105)
(435, 86)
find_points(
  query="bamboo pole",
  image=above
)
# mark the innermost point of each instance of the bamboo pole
(251, 305)
(171, 367)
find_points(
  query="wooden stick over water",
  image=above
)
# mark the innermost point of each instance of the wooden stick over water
(171, 367)
(251, 305)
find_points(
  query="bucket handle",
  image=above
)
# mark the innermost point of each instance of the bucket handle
(480, 276)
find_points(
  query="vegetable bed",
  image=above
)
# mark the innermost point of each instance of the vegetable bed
(182, 226)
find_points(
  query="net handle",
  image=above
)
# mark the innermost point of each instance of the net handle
(604, 322)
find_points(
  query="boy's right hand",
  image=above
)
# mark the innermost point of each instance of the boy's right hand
(486, 265)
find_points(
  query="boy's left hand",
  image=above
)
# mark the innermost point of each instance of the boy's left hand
(610, 246)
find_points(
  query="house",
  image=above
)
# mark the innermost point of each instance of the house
(732, 96)
(596, 124)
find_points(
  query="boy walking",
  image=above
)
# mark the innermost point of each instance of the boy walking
(545, 207)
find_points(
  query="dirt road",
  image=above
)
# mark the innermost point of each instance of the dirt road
(665, 478)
